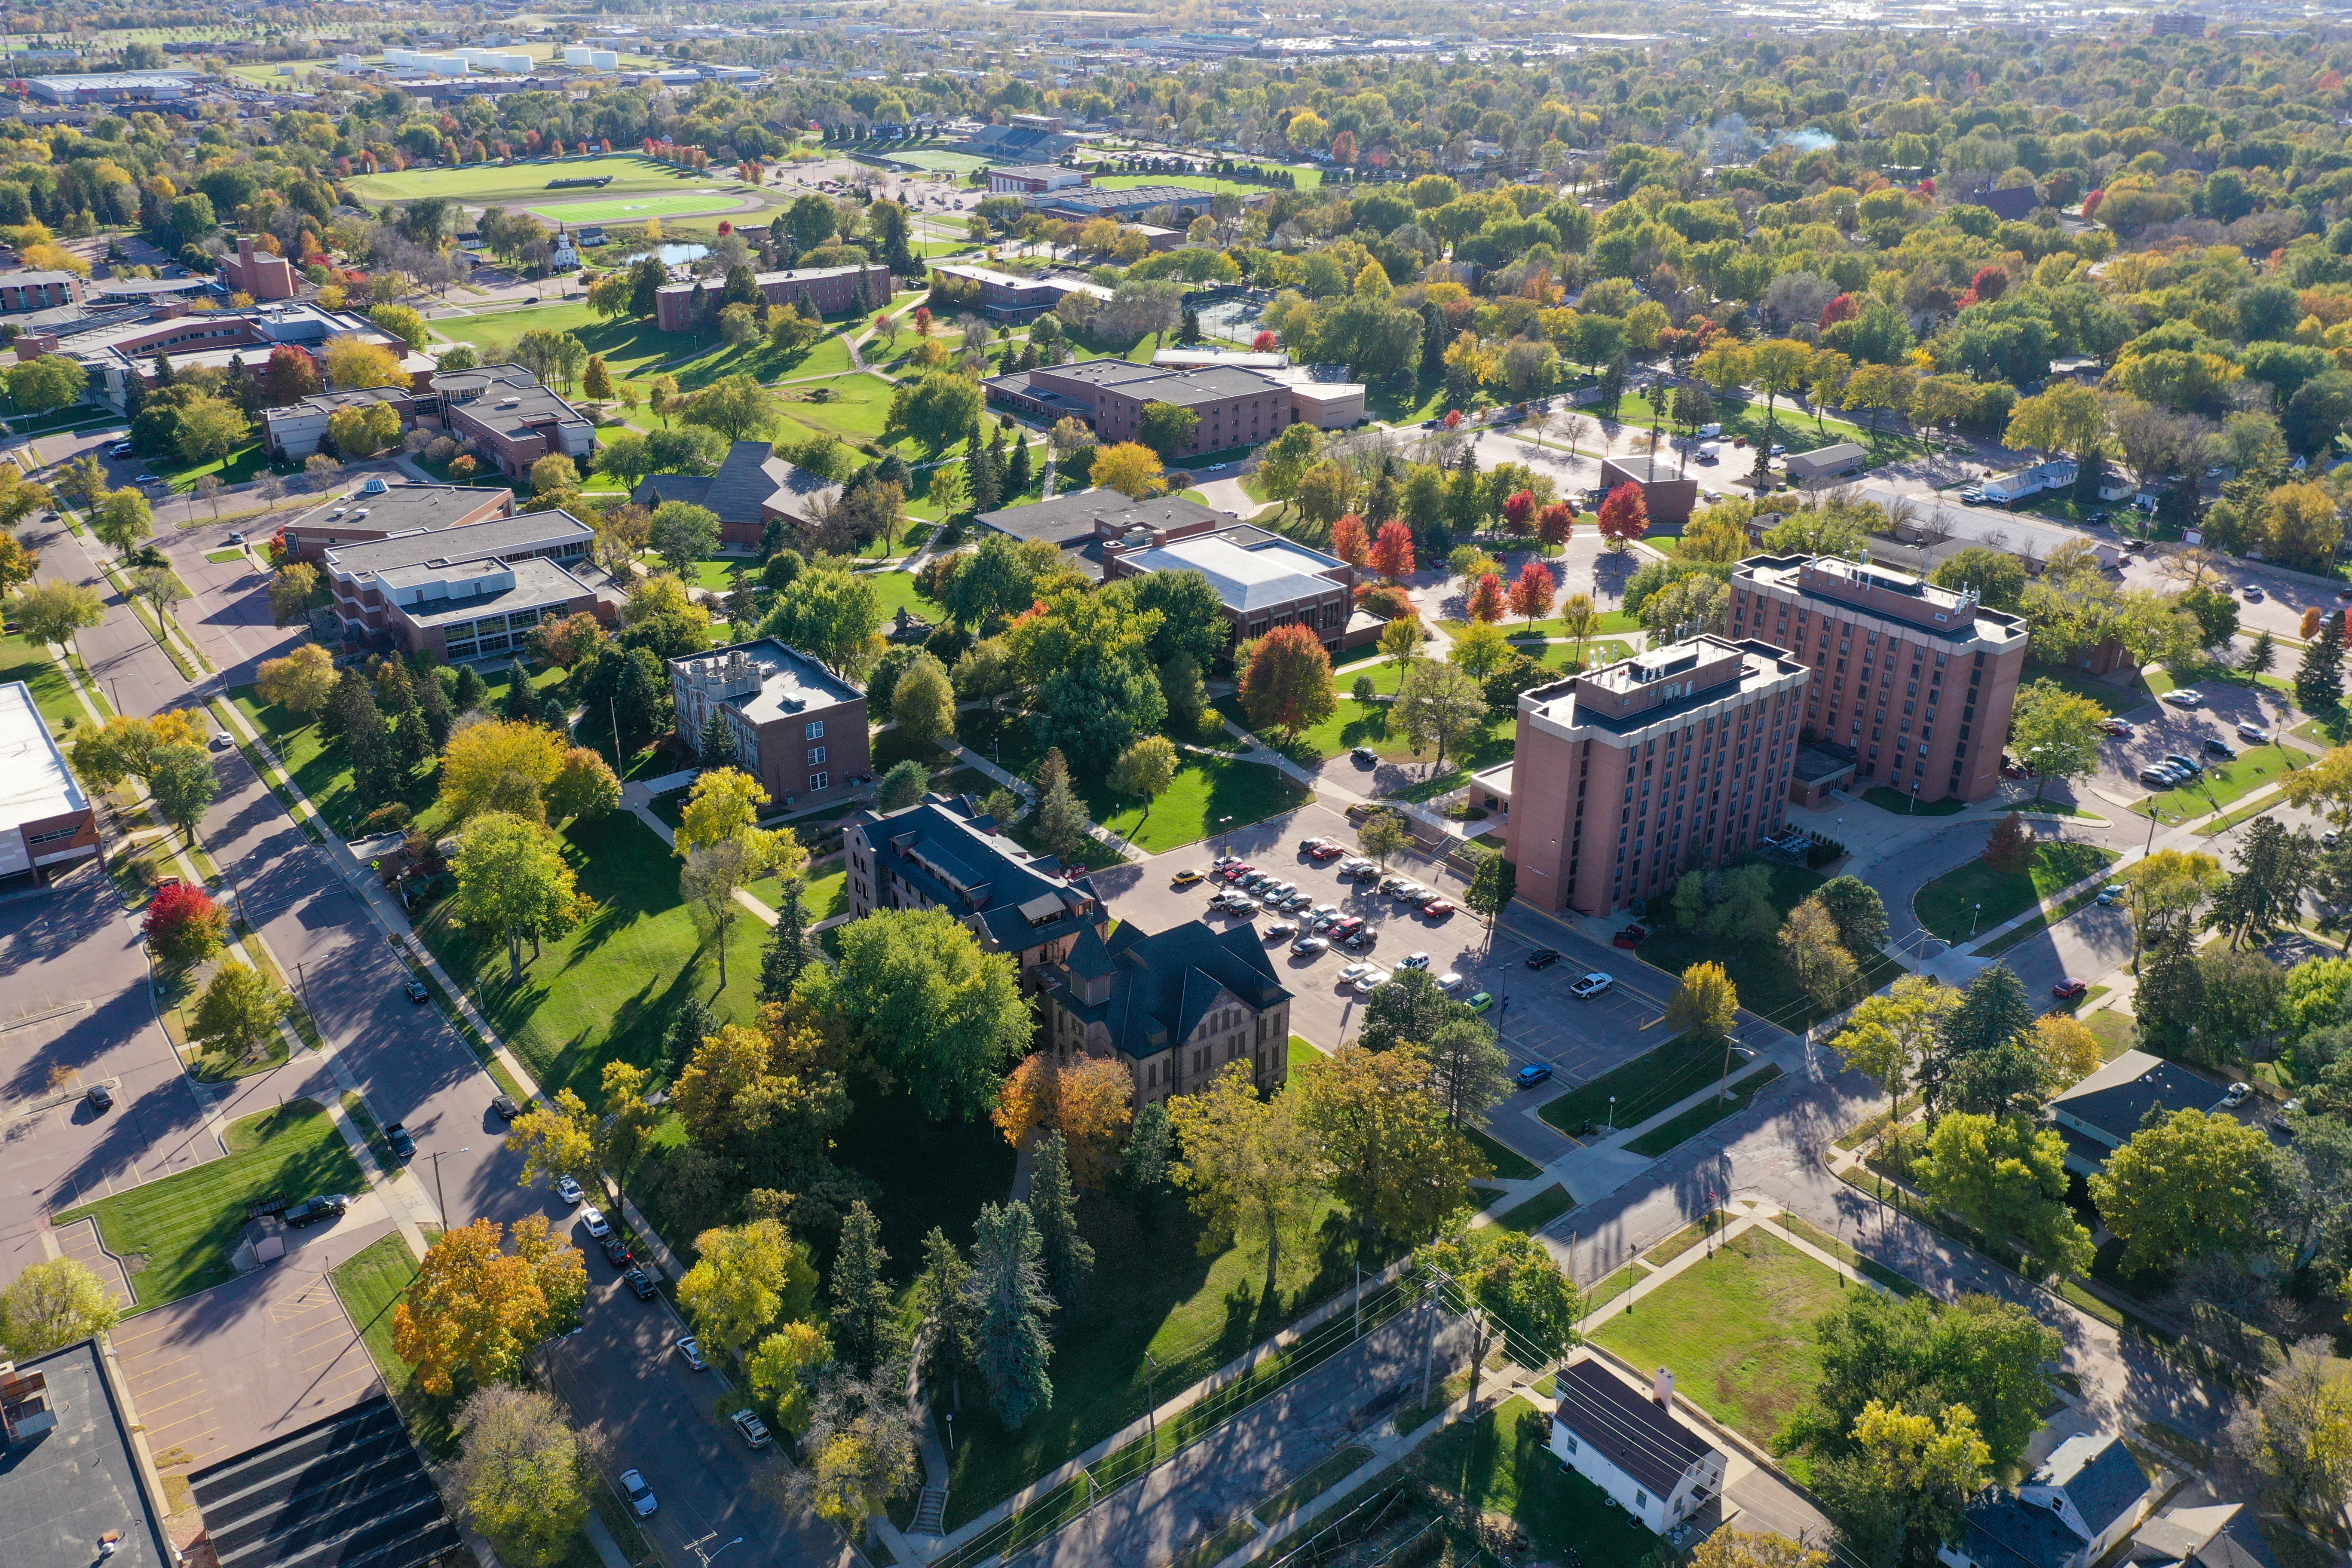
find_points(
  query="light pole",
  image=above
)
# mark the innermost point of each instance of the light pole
(1972, 921)
(441, 1199)
(705, 1557)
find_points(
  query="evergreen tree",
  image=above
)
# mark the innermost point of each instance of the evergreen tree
(1009, 1280)
(471, 690)
(376, 770)
(1053, 1203)
(775, 534)
(863, 1325)
(2319, 684)
(134, 395)
(434, 703)
(2261, 655)
(637, 700)
(689, 1023)
(1143, 1168)
(164, 375)
(787, 950)
(1016, 471)
(1993, 1011)
(2170, 995)
(1434, 341)
(950, 1316)
(1188, 329)
(716, 744)
(523, 698)
(987, 485)
(351, 696)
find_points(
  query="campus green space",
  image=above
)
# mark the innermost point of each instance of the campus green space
(855, 408)
(1737, 1330)
(1641, 1088)
(1947, 906)
(499, 183)
(1679, 1129)
(1538, 1210)
(1765, 987)
(1608, 622)
(1797, 430)
(22, 658)
(2222, 784)
(1309, 178)
(606, 989)
(1502, 1464)
(632, 207)
(371, 1283)
(631, 348)
(1210, 795)
(1351, 724)
(177, 1234)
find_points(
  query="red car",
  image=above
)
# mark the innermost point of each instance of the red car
(1327, 850)
(1631, 936)
(1437, 909)
(1235, 873)
(2066, 990)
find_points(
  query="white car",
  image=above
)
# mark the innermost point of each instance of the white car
(1449, 980)
(1351, 973)
(594, 1218)
(641, 1496)
(2237, 1094)
(1414, 961)
(2181, 697)
(1592, 986)
(1371, 980)
(2252, 732)
(569, 1191)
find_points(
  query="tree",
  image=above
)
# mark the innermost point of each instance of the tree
(1008, 1279)
(948, 1314)
(181, 783)
(1168, 429)
(121, 518)
(52, 612)
(1145, 770)
(1068, 1257)
(723, 804)
(500, 767)
(709, 882)
(903, 785)
(1392, 552)
(1439, 704)
(1810, 946)
(1252, 1169)
(475, 1309)
(1509, 1280)
(2057, 732)
(1755, 1549)
(1492, 887)
(1888, 1037)
(1130, 467)
(184, 925)
(782, 1372)
(210, 428)
(1705, 1004)
(1532, 591)
(1624, 517)
(683, 533)
(2008, 1178)
(2167, 892)
(354, 363)
(1859, 911)
(1994, 1357)
(2296, 1432)
(738, 407)
(292, 591)
(864, 1326)
(50, 381)
(301, 683)
(1382, 833)
(2183, 1187)
(51, 1305)
(831, 613)
(923, 702)
(513, 881)
(915, 991)
(1396, 1160)
(584, 788)
(238, 1014)
(17, 565)
(2260, 655)
(2066, 417)
(746, 1279)
(2319, 680)
(1287, 682)
(2275, 868)
(519, 1474)
(1900, 1495)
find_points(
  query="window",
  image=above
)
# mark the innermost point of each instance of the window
(813, 731)
(815, 755)
(819, 783)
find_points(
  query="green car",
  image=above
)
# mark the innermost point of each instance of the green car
(1481, 1001)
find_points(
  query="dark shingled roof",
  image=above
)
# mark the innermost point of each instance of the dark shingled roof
(1626, 1427)
(944, 846)
(2098, 1474)
(2114, 1100)
(753, 477)
(2006, 1531)
(1161, 986)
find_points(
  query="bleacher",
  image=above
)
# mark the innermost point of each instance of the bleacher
(346, 1492)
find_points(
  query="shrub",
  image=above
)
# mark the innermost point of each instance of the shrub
(386, 818)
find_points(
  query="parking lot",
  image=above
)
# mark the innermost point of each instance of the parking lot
(2162, 729)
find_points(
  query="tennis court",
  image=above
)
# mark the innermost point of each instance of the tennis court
(638, 208)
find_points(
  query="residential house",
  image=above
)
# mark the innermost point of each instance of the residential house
(2098, 1116)
(945, 852)
(1654, 1464)
(2085, 1498)
(2213, 1535)
(1173, 1010)
(799, 727)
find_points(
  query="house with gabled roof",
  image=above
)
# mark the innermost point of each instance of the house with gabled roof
(1632, 1446)
(945, 852)
(1173, 1008)
(2086, 1497)
(751, 486)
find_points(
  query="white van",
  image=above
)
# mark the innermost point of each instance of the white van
(1706, 432)
(1710, 451)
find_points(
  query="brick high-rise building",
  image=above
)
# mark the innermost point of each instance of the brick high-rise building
(1623, 776)
(1917, 680)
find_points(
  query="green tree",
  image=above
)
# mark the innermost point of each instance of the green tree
(782, 1372)
(2319, 680)
(865, 1323)
(520, 1473)
(513, 881)
(1068, 1257)
(1492, 887)
(182, 780)
(1889, 1037)
(916, 993)
(1899, 1496)
(2057, 732)
(53, 612)
(51, 1305)
(746, 1279)
(2007, 1177)
(1009, 1280)
(1398, 1162)
(1168, 429)
(1705, 1006)
(2184, 1187)
(1252, 1169)
(1145, 769)
(121, 518)
(831, 613)
(1994, 1357)
(1991, 1011)
(683, 533)
(923, 702)
(1438, 704)
(238, 1014)
(2261, 655)
(1513, 1282)
(948, 1312)
(935, 409)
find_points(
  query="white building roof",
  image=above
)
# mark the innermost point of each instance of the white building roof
(1245, 577)
(34, 780)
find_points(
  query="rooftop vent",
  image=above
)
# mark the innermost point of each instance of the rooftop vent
(510, 403)
(374, 487)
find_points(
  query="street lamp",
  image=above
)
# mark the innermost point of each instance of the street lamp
(1973, 918)
(441, 1199)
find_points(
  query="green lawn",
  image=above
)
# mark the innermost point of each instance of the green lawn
(631, 348)
(1209, 795)
(1539, 1210)
(1351, 724)
(1610, 623)
(1642, 1087)
(21, 659)
(897, 591)
(1681, 1128)
(557, 205)
(371, 1283)
(856, 411)
(827, 356)
(2224, 783)
(179, 1231)
(1766, 987)
(1308, 177)
(1511, 1165)
(606, 989)
(1736, 1328)
(1947, 906)
(493, 183)
(248, 462)
(221, 557)
(1502, 1463)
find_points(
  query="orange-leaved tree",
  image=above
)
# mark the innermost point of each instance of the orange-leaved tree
(1391, 554)
(1532, 591)
(1288, 682)
(1486, 599)
(1625, 516)
(476, 1309)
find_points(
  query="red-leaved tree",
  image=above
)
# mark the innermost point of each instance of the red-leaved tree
(1486, 599)
(1264, 343)
(1453, 419)
(1532, 591)
(1625, 516)
(1556, 524)
(1518, 512)
(1288, 684)
(184, 925)
(1349, 542)
(923, 321)
(1392, 552)
(1845, 307)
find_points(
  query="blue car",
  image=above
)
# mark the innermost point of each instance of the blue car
(1533, 1074)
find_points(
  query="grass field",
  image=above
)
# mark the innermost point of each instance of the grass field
(2222, 784)
(1309, 178)
(635, 208)
(1947, 906)
(1502, 1463)
(1737, 1331)
(1208, 796)
(855, 409)
(178, 1233)
(1538, 1210)
(21, 659)
(1680, 1130)
(497, 182)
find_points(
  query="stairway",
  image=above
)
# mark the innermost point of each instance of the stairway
(930, 1512)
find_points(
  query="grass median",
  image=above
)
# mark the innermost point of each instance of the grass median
(1973, 899)
(1704, 1115)
(1640, 1088)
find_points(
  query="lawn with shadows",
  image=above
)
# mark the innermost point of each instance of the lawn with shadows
(631, 348)
(1948, 905)
(1737, 1330)
(371, 1283)
(604, 990)
(1641, 1088)
(1766, 987)
(1352, 723)
(22, 658)
(177, 1234)
(1210, 795)
(518, 182)
(1502, 1463)
(853, 407)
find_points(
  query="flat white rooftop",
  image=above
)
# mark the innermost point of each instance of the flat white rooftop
(35, 783)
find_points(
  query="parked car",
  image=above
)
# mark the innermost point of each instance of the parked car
(2121, 727)
(1543, 958)
(1532, 1074)
(569, 1191)
(1592, 986)
(311, 1211)
(1630, 936)
(505, 1108)
(2216, 747)
(1438, 909)
(99, 1098)
(1449, 980)
(1370, 981)
(1310, 946)
(404, 1147)
(594, 1218)
(2253, 734)
(1349, 972)
(2066, 990)
(1327, 851)
(2190, 765)
(640, 1283)
(1481, 1001)
(1277, 931)
(753, 1430)
(1309, 845)
(415, 990)
(617, 1252)
(2160, 777)
(2182, 697)
(1414, 961)
(642, 1501)
(2111, 895)
(2237, 1094)
(1347, 928)
(1365, 757)
(2252, 591)
(1186, 878)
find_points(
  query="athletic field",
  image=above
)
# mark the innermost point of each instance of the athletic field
(479, 182)
(938, 158)
(635, 208)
